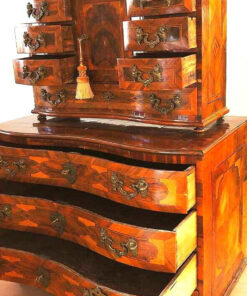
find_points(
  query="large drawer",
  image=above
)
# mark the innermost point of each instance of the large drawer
(148, 240)
(51, 39)
(45, 70)
(168, 188)
(68, 269)
(169, 73)
(171, 33)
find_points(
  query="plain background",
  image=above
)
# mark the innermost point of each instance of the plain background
(17, 100)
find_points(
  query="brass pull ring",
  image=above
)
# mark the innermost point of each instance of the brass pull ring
(70, 172)
(142, 3)
(5, 212)
(93, 292)
(38, 14)
(34, 76)
(58, 222)
(170, 104)
(130, 247)
(17, 166)
(143, 37)
(55, 99)
(140, 187)
(43, 277)
(154, 75)
(34, 44)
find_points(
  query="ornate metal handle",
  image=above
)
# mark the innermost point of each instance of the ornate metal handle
(140, 187)
(55, 99)
(142, 3)
(34, 44)
(34, 76)
(38, 14)
(5, 212)
(58, 222)
(154, 75)
(160, 36)
(130, 247)
(17, 166)
(93, 292)
(43, 277)
(70, 172)
(170, 104)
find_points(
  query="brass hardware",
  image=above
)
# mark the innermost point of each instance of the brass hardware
(17, 166)
(55, 99)
(170, 104)
(5, 212)
(84, 37)
(43, 277)
(160, 36)
(142, 3)
(154, 75)
(58, 222)
(38, 14)
(140, 187)
(70, 172)
(34, 44)
(130, 247)
(93, 292)
(108, 96)
(34, 76)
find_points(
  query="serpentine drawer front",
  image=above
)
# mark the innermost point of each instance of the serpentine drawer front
(74, 270)
(170, 189)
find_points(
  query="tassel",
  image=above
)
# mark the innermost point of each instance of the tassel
(83, 90)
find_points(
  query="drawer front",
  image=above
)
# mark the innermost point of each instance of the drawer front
(177, 33)
(136, 246)
(44, 39)
(154, 189)
(111, 102)
(157, 7)
(44, 71)
(157, 74)
(45, 11)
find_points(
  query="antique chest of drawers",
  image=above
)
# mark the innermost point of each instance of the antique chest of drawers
(152, 61)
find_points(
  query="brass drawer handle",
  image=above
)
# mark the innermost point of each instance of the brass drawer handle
(58, 222)
(140, 187)
(55, 99)
(170, 104)
(70, 172)
(130, 247)
(142, 3)
(93, 292)
(38, 14)
(108, 96)
(143, 37)
(34, 76)
(43, 277)
(34, 44)
(154, 75)
(17, 166)
(5, 212)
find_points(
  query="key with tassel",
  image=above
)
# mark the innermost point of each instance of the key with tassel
(83, 90)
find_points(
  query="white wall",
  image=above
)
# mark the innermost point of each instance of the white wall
(17, 100)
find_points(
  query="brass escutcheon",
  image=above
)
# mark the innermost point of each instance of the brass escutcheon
(170, 104)
(155, 75)
(12, 168)
(143, 37)
(142, 3)
(34, 76)
(38, 14)
(108, 96)
(93, 292)
(70, 172)
(55, 99)
(58, 222)
(34, 44)
(43, 277)
(5, 212)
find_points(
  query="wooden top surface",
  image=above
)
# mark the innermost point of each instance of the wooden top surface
(116, 136)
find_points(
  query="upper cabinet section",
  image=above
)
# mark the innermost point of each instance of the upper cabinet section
(159, 7)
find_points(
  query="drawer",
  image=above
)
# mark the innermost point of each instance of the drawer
(51, 39)
(157, 7)
(84, 273)
(168, 188)
(45, 70)
(45, 11)
(111, 102)
(157, 73)
(102, 226)
(177, 33)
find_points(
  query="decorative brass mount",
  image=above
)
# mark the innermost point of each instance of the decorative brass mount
(34, 44)
(34, 76)
(142, 3)
(43, 277)
(38, 14)
(70, 172)
(17, 166)
(154, 75)
(143, 37)
(170, 104)
(93, 292)
(5, 212)
(108, 96)
(55, 99)
(58, 222)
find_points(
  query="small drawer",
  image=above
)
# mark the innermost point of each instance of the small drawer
(68, 269)
(168, 73)
(178, 33)
(38, 70)
(51, 39)
(102, 226)
(168, 188)
(159, 7)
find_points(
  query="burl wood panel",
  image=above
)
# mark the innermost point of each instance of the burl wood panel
(180, 34)
(175, 73)
(111, 102)
(155, 189)
(55, 39)
(153, 249)
(156, 7)
(57, 70)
